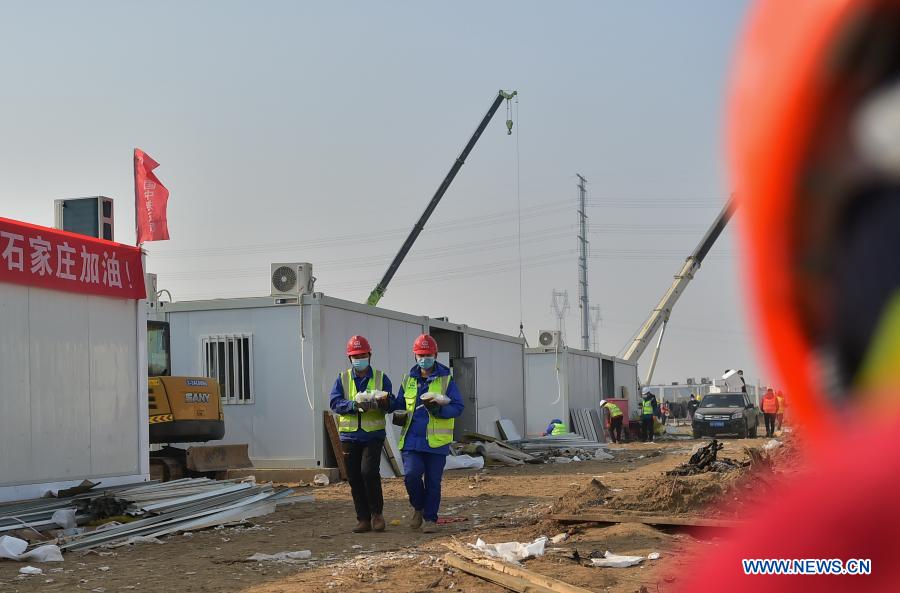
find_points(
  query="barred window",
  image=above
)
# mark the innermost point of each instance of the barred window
(229, 360)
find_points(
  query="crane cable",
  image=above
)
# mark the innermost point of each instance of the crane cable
(518, 217)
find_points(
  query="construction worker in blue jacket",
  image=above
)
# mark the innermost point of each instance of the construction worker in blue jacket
(431, 400)
(361, 426)
(556, 427)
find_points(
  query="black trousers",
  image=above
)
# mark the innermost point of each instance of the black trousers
(770, 424)
(647, 428)
(615, 428)
(364, 474)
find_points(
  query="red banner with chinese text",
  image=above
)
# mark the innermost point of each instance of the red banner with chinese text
(150, 200)
(48, 258)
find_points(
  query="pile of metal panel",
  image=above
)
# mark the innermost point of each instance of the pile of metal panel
(556, 443)
(586, 422)
(158, 509)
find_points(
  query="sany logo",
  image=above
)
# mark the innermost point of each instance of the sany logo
(196, 398)
(357, 344)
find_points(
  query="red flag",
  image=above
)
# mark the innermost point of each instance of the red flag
(150, 199)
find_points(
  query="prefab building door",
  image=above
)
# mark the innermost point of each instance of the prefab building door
(464, 376)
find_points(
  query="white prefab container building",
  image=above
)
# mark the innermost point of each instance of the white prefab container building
(565, 379)
(73, 369)
(278, 359)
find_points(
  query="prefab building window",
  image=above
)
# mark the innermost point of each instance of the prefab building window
(229, 360)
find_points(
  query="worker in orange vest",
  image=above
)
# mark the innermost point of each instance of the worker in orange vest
(815, 159)
(779, 416)
(769, 407)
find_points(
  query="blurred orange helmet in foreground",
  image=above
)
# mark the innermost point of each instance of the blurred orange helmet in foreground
(814, 148)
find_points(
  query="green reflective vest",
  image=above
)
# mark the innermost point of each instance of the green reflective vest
(614, 410)
(370, 420)
(647, 407)
(560, 428)
(439, 430)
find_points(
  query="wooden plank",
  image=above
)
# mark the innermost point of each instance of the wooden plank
(646, 519)
(517, 584)
(389, 445)
(529, 575)
(335, 440)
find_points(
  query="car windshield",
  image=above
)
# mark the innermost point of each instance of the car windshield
(723, 400)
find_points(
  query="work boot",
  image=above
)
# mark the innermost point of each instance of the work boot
(416, 521)
(429, 527)
(378, 522)
(363, 526)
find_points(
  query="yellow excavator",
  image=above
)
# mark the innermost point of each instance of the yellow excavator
(184, 410)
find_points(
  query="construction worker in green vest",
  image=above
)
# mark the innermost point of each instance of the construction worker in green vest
(649, 409)
(556, 427)
(614, 419)
(360, 397)
(431, 400)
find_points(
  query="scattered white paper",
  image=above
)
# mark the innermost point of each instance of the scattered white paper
(13, 548)
(513, 551)
(281, 556)
(611, 560)
(30, 570)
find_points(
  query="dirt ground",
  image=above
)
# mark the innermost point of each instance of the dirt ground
(499, 504)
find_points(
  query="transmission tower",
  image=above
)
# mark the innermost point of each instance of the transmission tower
(596, 321)
(582, 266)
(561, 309)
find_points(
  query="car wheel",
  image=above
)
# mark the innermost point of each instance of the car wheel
(742, 433)
(697, 433)
(754, 430)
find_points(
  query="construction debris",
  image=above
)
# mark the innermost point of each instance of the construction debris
(509, 576)
(144, 511)
(704, 460)
(610, 560)
(288, 557)
(512, 551)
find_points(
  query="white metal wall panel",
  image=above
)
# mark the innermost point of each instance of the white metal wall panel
(625, 375)
(541, 393)
(278, 425)
(15, 385)
(583, 373)
(59, 330)
(500, 376)
(391, 341)
(113, 382)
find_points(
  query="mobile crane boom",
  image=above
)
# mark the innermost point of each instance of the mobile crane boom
(380, 289)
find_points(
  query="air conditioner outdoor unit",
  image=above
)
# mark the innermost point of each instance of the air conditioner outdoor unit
(705, 381)
(690, 381)
(86, 216)
(292, 279)
(550, 338)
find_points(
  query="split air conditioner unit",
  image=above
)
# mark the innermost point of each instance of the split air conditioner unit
(550, 339)
(291, 279)
(86, 216)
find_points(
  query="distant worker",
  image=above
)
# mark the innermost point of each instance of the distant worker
(556, 427)
(769, 407)
(361, 428)
(649, 409)
(692, 406)
(779, 415)
(614, 419)
(431, 400)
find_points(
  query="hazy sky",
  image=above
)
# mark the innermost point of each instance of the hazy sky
(318, 131)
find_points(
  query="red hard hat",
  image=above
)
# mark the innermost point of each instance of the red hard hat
(425, 344)
(358, 345)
